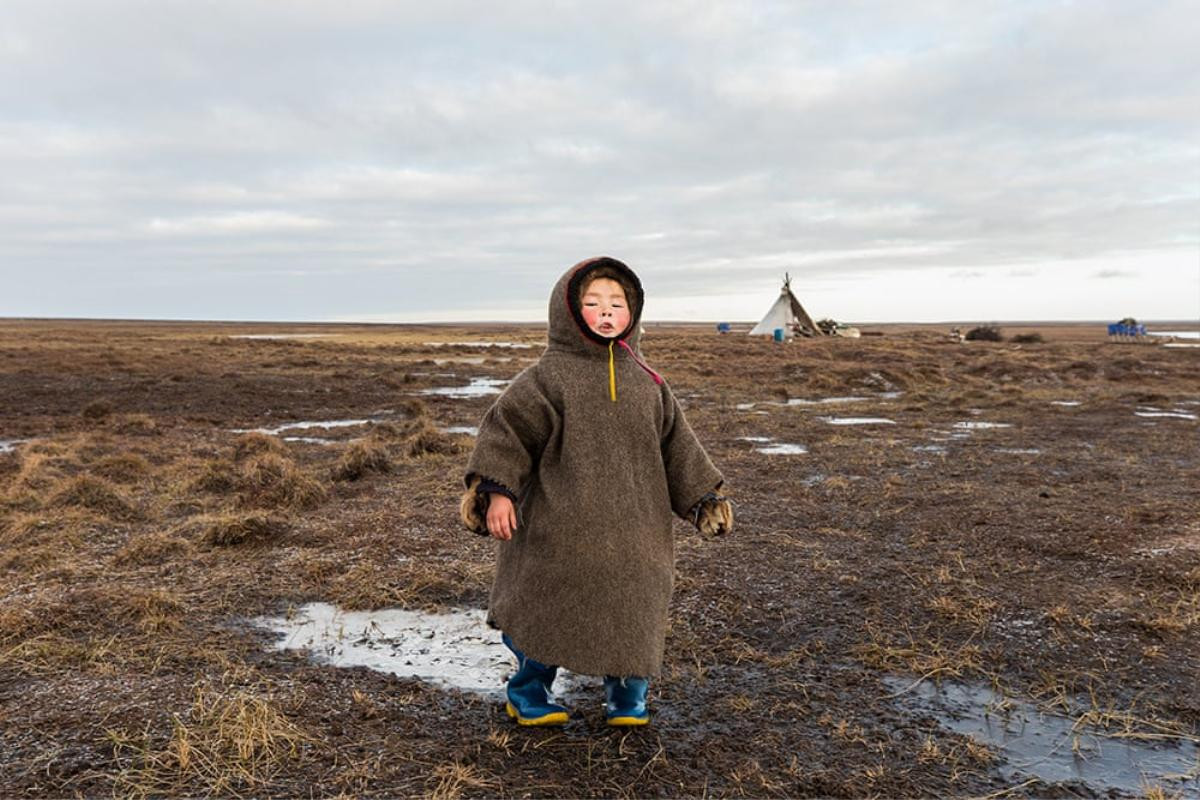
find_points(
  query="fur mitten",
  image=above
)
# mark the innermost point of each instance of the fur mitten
(472, 509)
(713, 515)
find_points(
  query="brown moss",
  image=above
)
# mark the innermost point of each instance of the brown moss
(137, 425)
(361, 459)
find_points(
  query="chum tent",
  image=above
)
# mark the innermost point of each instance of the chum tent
(787, 313)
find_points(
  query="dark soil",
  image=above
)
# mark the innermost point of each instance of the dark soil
(138, 534)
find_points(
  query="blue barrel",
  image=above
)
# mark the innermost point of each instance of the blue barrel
(779, 334)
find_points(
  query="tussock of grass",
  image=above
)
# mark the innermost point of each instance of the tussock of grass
(412, 584)
(272, 481)
(137, 425)
(97, 409)
(232, 741)
(122, 468)
(94, 494)
(217, 476)
(231, 529)
(151, 548)
(255, 443)
(360, 459)
(429, 440)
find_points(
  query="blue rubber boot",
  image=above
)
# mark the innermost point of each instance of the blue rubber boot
(626, 700)
(528, 689)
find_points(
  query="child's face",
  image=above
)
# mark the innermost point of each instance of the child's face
(604, 307)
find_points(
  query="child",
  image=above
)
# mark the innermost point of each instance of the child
(576, 471)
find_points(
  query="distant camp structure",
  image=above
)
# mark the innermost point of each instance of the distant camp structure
(1126, 330)
(788, 315)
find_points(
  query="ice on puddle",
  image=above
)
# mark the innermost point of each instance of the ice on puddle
(453, 650)
(974, 425)
(1051, 747)
(755, 438)
(1066, 403)
(478, 387)
(1168, 414)
(299, 426)
(1019, 451)
(782, 449)
(7, 445)
(858, 421)
(470, 430)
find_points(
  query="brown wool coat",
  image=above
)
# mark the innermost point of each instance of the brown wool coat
(586, 579)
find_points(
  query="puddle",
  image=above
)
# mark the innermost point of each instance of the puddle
(513, 345)
(1066, 403)
(8, 445)
(300, 426)
(820, 401)
(1176, 334)
(281, 335)
(1045, 746)
(782, 449)
(974, 426)
(470, 430)
(1019, 451)
(314, 440)
(929, 448)
(471, 360)
(754, 438)
(478, 387)
(1171, 414)
(858, 421)
(454, 650)
(1180, 344)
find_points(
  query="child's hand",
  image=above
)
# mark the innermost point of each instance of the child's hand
(501, 517)
(713, 515)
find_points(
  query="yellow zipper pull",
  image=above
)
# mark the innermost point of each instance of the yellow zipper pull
(612, 374)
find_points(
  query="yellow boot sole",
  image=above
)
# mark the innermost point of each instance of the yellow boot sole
(553, 718)
(625, 722)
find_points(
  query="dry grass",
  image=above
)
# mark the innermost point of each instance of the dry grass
(232, 742)
(122, 468)
(413, 584)
(361, 459)
(255, 443)
(154, 547)
(95, 494)
(231, 529)
(271, 481)
(429, 440)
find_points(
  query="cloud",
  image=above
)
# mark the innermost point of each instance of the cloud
(708, 145)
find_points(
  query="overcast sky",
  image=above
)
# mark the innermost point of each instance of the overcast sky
(391, 161)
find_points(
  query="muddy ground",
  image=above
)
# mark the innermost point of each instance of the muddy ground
(1056, 560)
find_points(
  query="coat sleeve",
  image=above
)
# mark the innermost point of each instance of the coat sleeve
(690, 473)
(512, 434)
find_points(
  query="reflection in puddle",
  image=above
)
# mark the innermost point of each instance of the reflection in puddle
(858, 421)
(453, 650)
(1047, 746)
(820, 401)
(1068, 403)
(478, 387)
(755, 438)
(1176, 334)
(975, 425)
(1180, 344)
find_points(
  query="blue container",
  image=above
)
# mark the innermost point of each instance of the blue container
(724, 327)
(779, 334)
